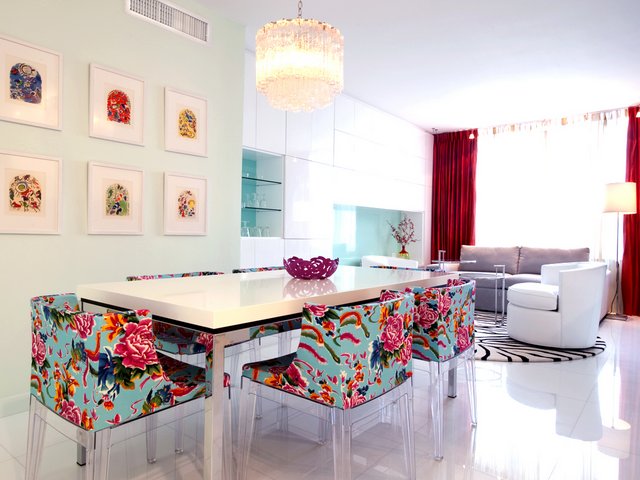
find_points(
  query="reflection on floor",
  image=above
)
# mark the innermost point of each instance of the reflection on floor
(566, 421)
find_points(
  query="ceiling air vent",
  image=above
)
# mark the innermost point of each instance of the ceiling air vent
(170, 17)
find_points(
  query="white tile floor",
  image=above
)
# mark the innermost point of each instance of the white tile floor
(570, 420)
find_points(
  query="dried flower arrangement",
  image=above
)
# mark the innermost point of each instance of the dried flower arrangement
(404, 233)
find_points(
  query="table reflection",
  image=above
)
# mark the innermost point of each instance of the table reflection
(297, 287)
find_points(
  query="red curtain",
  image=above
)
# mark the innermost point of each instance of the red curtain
(453, 211)
(630, 277)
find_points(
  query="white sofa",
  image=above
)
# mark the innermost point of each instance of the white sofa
(382, 261)
(562, 311)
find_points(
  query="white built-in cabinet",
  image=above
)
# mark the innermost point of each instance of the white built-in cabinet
(263, 126)
(307, 248)
(374, 190)
(348, 153)
(308, 199)
(379, 159)
(311, 135)
(261, 252)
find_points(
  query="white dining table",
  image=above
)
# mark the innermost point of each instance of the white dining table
(226, 305)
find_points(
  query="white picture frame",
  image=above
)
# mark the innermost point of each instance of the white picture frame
(30, 84)
(31, 194)
(185, 123)
(116, 105)
(185, 204)
(115, 194)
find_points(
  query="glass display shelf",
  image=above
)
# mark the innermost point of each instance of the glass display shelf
(260, 181)
(262, 209)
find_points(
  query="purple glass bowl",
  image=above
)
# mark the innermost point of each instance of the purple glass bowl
(314, 269)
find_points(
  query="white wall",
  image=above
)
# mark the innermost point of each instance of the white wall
(101, 32)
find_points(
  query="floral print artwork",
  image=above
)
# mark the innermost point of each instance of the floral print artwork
(118, 107)
(187, 124)
(187, 204)
(100, 370)
(347, 355)
(25, 83)
(25, 194)
(117, 201)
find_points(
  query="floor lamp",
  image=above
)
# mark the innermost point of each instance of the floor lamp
(620, 198)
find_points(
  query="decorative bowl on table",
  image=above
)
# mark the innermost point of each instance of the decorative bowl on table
(315, 269)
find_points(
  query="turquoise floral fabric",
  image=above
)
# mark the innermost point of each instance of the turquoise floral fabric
(171, 275)
(257, 269)
(100, 370)
(347, 355)
(443, 323)
(169, 338)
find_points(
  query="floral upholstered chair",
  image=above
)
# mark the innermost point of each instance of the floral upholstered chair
(347, 356)
(98, 371)
(169, 338)
(428, 268)
(443, 332)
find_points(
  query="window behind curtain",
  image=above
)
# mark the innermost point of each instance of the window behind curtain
(542, 184)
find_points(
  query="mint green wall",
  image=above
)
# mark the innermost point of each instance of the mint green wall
(362, 231)
(92, 31)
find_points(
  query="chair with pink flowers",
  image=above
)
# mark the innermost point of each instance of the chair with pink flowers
(92, 372)
(443, 333)
(347, 357)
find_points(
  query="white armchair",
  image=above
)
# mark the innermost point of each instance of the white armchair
(562, 311)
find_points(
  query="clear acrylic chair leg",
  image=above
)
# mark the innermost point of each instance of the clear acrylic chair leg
(35, 437)
(98, 461)
(405, 405)
(452, 385)
(341, 433)
(246, 424)
(437, 412)
(470, 370)
(151, 423)
(179, 429)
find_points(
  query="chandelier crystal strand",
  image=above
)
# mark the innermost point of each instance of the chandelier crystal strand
(299, 63)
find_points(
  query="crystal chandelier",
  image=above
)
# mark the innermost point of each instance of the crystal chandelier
(299, 63)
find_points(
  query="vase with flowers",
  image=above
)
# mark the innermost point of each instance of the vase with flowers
(404, 234)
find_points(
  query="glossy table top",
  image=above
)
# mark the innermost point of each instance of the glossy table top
(231, 300)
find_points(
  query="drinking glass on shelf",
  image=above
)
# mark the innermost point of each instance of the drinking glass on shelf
(266, 232)
(256, 232)
(254, 200)
(244, 230)
(262, 200)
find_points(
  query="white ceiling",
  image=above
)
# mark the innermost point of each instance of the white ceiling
(458, 64)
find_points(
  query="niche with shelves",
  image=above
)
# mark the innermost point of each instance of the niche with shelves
(261, 214)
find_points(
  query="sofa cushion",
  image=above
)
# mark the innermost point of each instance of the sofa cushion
(534, 295)
(486, 257)
(532, 259)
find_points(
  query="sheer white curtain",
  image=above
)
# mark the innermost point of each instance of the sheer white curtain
(542, 184)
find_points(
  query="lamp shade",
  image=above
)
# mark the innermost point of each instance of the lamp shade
(620, 197)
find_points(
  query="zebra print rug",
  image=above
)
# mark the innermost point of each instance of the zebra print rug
(493, 344)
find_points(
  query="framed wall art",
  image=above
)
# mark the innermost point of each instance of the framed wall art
(114, 200)
(185, 123)
(31, 194)
(116, 106)
(185, 204)
(30, 84)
